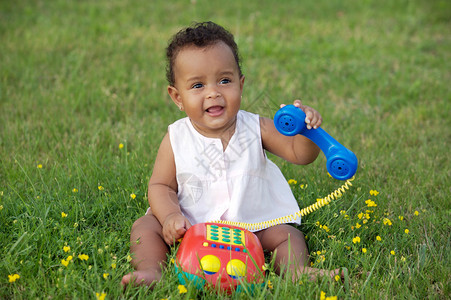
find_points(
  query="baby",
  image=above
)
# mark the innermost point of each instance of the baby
(212, 164)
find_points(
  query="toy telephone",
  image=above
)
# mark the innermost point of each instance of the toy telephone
(220, 255)
(341, 162)
(224, 253)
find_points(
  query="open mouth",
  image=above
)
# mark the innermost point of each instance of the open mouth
(215, 110)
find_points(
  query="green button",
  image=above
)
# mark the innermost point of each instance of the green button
(226, 228)
(214, 226)
(226, 240)
(215, 238)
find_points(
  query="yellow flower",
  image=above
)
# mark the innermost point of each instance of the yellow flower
(337, 277)
(63, 214)
(292, 181)
(121, 146)
(83, 257)
(403, 258)
(132, 195)
(64, 262)
(392, 252)
(342, 212)
(75, 190)
(374, 193)
(303, 186)
(270, 284)
(401, 218)
(182, 289)
(113, 265)
(100, 296)
(66, 248)
(416, 213)
(1, 207)
(69, 258)
(129, 258)
(358, 225)
(378, 238)
(105, 275)
(13, 277)
(323, 296)
(100, 188)
(406, 231)
(39, 166)
(356, 240)
(370, 203)
(364, 250)
(387, 221)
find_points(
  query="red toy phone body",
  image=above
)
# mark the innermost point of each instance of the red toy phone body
(220, 255)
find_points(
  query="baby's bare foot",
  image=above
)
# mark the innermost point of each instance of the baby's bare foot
(149, 278)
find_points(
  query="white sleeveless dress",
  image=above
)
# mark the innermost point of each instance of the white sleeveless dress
(239, 184)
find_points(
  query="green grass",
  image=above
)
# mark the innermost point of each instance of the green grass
(78, 78)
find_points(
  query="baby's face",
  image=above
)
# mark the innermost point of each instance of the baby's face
(208, 87)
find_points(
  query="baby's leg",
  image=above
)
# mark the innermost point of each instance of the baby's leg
(148, 251)
(288, 246)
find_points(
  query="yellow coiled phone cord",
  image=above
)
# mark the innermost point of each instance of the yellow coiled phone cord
(291, 218)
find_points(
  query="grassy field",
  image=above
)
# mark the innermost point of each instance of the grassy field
(83, 108)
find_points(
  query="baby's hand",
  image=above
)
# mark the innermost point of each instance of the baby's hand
(174, 227)
(312, 117)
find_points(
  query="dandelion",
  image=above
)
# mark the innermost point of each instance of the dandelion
(406, 231)
(100, 296)
(105, 275)
(182, 289)
(356, 240)
(416, 213)
(39, 166)
(378, 238)
(63, 214)
(392, 252)
(83, 257)
(101, 188)
(121, 146)
(364, 250)
(66, 248)
(132, 195)
(13, 277)
(292, 181)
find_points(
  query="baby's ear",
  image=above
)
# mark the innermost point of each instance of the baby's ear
(175, 96)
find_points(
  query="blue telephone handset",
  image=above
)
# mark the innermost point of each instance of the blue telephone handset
(341, 162)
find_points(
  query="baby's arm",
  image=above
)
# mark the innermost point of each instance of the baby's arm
(296, 149)
(163, 196)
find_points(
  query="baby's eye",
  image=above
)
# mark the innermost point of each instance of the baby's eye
(225, 81)
(197, 86)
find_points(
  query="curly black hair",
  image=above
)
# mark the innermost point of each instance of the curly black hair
(202, 34)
